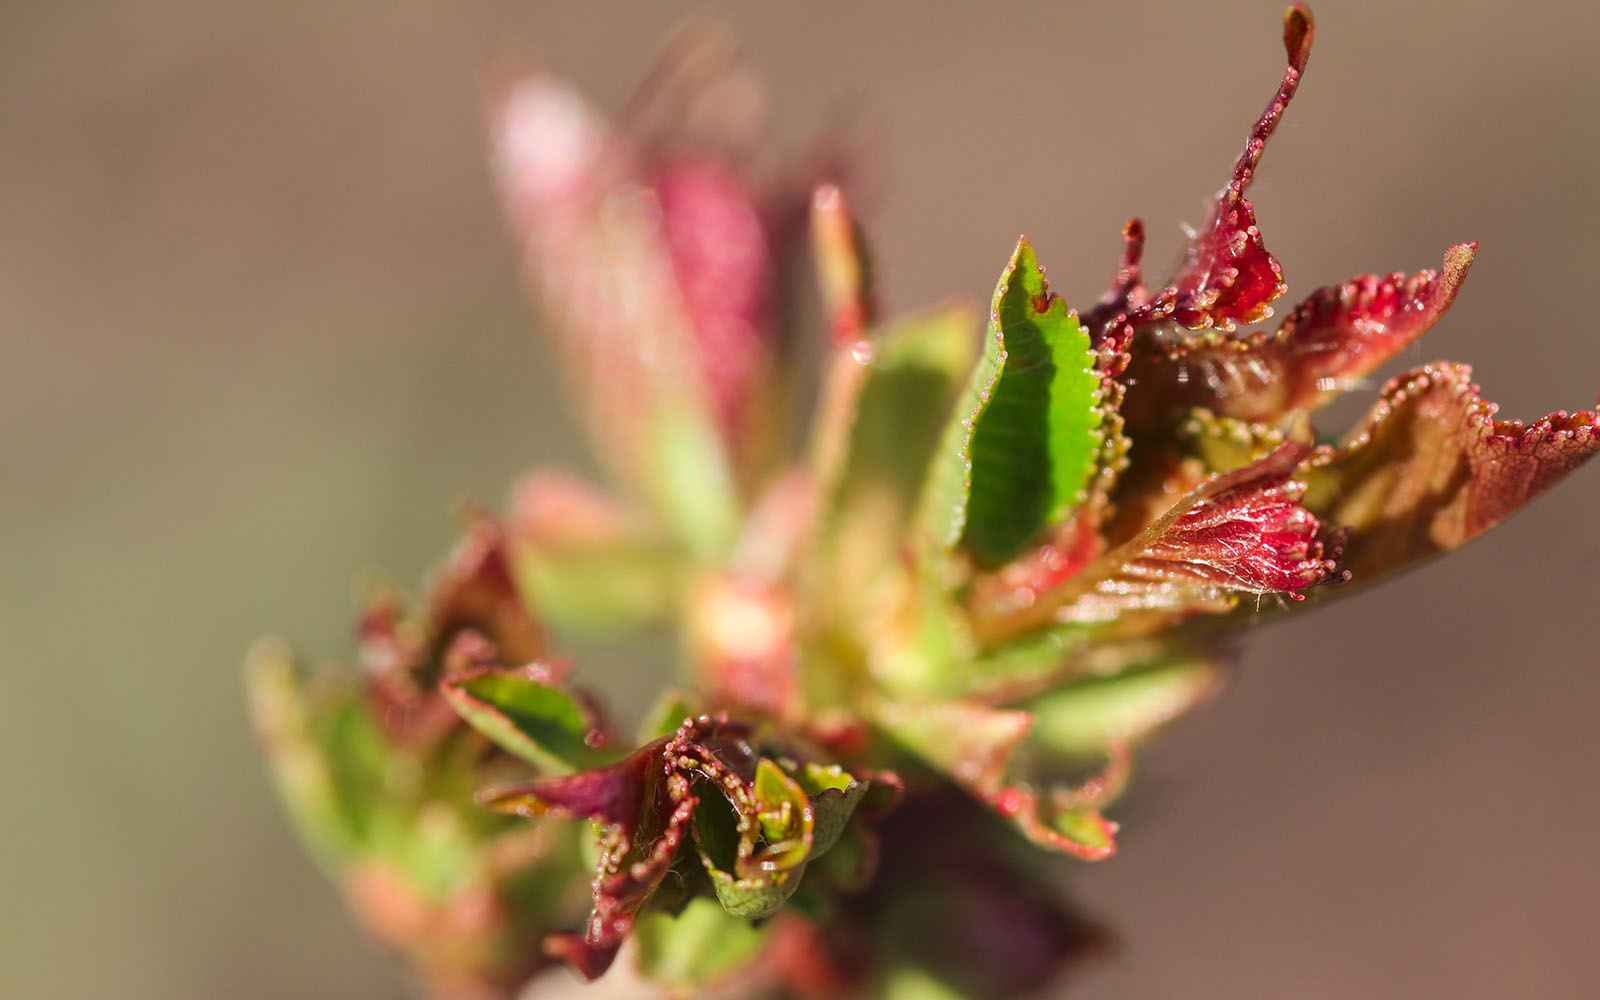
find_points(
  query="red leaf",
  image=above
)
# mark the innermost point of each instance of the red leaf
(1228, 276)
(645, 805)
(1431, 468)
(1242, 532)
(1337, 335)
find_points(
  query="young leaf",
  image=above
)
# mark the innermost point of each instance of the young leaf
(976, 745)
(1023, 453)
(1431, 468)
(912, 376)
(1335, 337)
(752, 827)
(642, 816)
(1228, 276)
(1243, 532)
(1082, 719)
(586, 560)
(527, 716)
(756, 848)
(697, 947)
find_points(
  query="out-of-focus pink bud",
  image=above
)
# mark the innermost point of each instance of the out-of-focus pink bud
(723, 264)
(653, 265)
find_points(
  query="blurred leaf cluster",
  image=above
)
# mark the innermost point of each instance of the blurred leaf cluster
(945, 609)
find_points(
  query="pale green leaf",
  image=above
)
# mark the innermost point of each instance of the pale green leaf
(696, 947)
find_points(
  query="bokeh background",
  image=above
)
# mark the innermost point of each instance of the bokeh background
(261, 329)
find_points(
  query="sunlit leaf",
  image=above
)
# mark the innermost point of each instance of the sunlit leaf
(1325, 346)
(1028, 436)
(1228, 276)
(1431, 468)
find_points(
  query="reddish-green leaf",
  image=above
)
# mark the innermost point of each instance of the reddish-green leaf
(1431, 468)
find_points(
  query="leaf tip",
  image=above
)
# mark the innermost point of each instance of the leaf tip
(1298, 28)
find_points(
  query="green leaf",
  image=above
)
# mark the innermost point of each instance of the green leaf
(913, 377)
(326, 756)
(1021, 453)
(599, 591)
(834, 794)
(981, 748)
(912, 982)
(718, 843)
(540, 724)
(690, 482)
(755, 846)
(1082, 719)
(696, 947)
(751, 898)
(664, 716)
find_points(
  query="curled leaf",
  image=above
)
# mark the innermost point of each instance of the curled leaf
(1228, 276)
(475, 590)
(751, 824)
(1241, 533)
(641, 825)
(1432, 468)
(755, 849)
(1332, 339)
(526, 715)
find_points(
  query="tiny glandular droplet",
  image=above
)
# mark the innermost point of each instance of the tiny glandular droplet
(863, 352)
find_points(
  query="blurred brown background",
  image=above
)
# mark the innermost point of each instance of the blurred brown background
(260, 329)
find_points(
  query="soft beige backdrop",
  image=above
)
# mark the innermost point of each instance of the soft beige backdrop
(260, 330)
